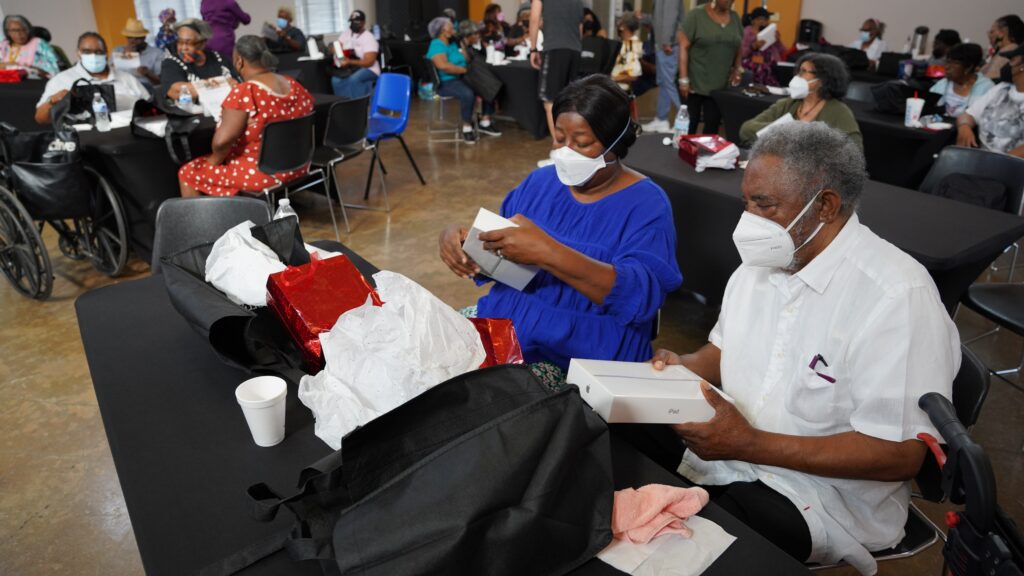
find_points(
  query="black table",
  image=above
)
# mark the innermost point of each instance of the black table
(519, 97)
(18, 103)
(184, 455)
(143, 174)
(894, 153)
(314, 75)
(953, 240)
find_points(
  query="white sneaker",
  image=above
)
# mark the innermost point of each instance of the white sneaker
(657, 125)
(545, 162)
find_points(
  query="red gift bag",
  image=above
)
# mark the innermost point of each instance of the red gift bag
(309, 299)
(500, 341)
(695, 145)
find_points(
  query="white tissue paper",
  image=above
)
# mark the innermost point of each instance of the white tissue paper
(671, 554)
(239, 265)
(724, 159)
(379, 357)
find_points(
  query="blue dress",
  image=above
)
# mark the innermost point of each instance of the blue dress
(633, 231)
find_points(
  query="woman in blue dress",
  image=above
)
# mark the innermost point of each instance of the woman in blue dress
(601, 234)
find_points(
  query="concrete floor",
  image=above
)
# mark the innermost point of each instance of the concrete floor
(61, 509)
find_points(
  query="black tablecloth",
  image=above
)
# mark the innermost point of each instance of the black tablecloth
(184, 455)
(519, 97)
(313, 74)
(953, 240)
(18, 103)
(894, 153)
(142, 172)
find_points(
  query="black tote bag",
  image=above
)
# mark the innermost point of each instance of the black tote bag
(45, 169)
(253, 340)
(482, 79)
(487, 473)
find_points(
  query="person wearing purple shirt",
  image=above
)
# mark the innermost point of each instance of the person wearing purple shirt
(224, 16)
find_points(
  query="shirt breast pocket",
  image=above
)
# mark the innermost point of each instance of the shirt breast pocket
(812, 399)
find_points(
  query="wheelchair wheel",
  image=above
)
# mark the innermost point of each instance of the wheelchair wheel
(104, 234)
(23, 257)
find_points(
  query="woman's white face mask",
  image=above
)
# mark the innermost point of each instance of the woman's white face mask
(799, 88)
(575, 169)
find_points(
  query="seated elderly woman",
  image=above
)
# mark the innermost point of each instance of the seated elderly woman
(627, 68)
(998, 114)
(601, 234)
(263, 97)
(191, 61)
(22, 50)
(289, 38)
(94, 67)
(451, 58)
(814, 96)
(827, 337)
(962, 85)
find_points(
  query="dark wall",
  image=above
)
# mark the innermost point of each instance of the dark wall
(400, 17)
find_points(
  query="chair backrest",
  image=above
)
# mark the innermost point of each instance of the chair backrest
(347, 122)
(860, 91)
(983, 163)
(182, 223)
(970, 388)
(592, 55)
(287, 145)
(432, 73)
(392, 93)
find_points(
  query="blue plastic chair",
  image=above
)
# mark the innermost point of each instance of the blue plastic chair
(389, 116)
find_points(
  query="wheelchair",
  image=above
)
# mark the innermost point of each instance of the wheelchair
(43, 180)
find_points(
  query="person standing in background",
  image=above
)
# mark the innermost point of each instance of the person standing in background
(224, 16)
(668, 20)
(165, 36)
(709, 60)
(560, 62)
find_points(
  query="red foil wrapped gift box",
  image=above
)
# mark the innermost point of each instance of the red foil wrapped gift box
(500, 341)
(308, 299)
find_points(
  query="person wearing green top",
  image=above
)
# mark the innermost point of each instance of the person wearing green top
(709, 60)
(815, 94)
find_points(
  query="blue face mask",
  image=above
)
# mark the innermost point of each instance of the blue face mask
(94, 63)
(865, 36)
(282, 23)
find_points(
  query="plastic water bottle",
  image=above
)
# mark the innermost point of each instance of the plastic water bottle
(101, 113)
(185, 100)
(681, 126)
(284, 209)
(376, 32)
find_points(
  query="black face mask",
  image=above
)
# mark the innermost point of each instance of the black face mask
(938, 53)
(590, 26)
(761, 27)
(356, 26)
(1005, 74)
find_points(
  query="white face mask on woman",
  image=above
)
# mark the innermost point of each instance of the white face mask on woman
(764, 243)
(799, 88)
(575, 169)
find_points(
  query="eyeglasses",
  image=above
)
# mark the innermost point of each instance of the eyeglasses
(93, 52)
(806, 72)
(18, 30)
(192, 43)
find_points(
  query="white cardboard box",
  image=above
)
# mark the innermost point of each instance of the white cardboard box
(636, 393)
(499, 269)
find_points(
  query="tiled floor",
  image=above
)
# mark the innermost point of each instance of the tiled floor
(61, 510)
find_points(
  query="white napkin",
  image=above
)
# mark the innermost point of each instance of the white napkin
(671, 554)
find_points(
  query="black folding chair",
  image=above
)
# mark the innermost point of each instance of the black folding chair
(182, 223)
(437, 123)
(344, 139)
(287, 146)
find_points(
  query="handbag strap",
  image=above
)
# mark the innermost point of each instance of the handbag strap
(247, 556)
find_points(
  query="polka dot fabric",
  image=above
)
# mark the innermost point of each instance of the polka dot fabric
(239, 172)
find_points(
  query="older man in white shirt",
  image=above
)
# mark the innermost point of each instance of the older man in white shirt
(827, 337)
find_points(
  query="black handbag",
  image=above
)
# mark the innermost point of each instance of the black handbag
(45, 169)
(973, 190)
(82, 93)
(487, 473)
(482, 79)
(253, 340)
(179, 125)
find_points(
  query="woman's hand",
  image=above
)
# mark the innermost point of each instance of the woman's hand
(736, 77)
(452, 254)
(663, 358)
(965, 137)
(525, 244)
(684, 91)
(757, 44)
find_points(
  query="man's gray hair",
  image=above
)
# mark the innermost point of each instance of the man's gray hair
(435, 26)
(815, 157)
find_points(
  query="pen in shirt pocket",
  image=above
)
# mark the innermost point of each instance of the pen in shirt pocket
(813, 366)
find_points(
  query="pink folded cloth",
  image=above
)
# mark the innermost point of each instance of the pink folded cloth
(641, 515)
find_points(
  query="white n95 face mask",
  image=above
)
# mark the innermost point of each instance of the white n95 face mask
(575, 169)
(764, 243)
(799, 88)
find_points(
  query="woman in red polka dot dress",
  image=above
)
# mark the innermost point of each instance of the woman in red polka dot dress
(262, 98)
